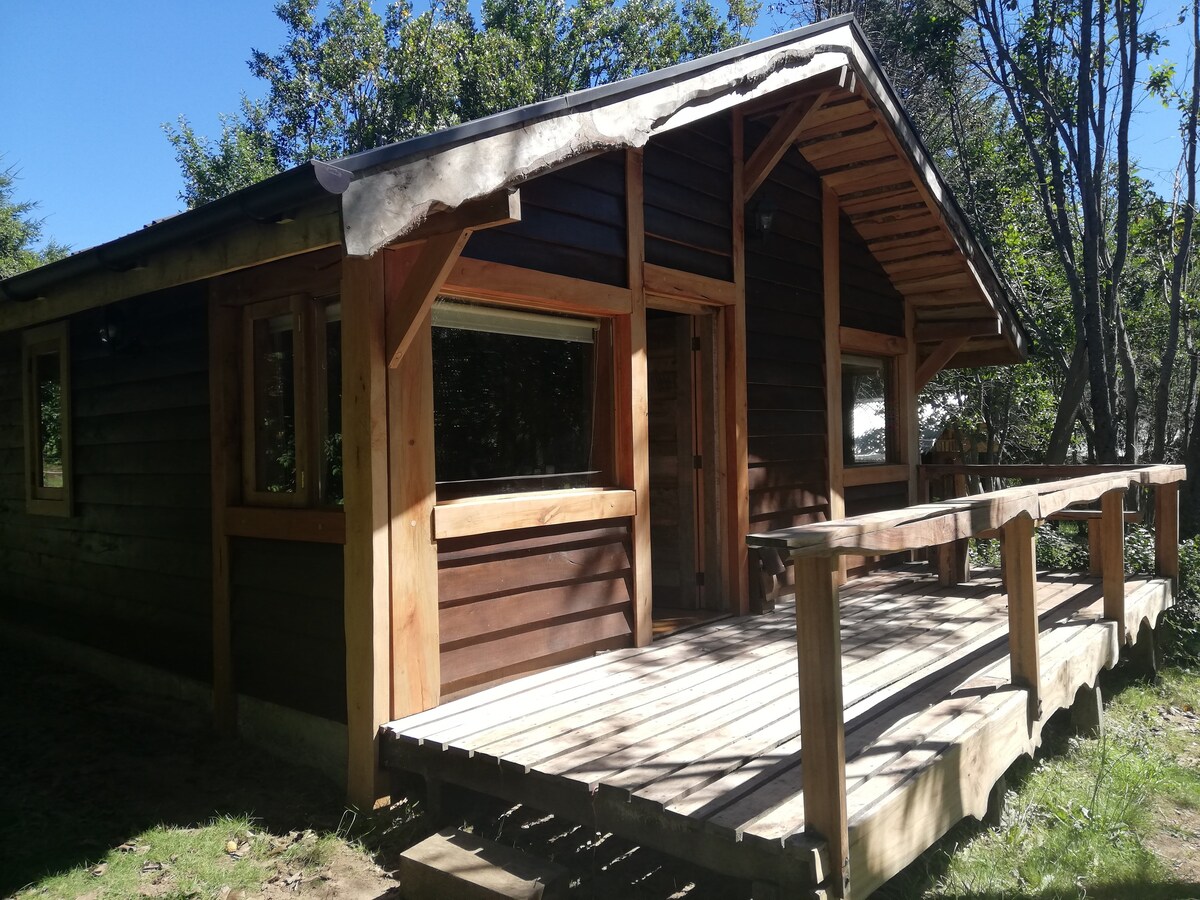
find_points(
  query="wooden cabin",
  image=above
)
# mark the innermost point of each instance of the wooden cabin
(382, 432)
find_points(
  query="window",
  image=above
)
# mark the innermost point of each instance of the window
(292, 405)
(522, 401)
(47, 391)
(868, 411)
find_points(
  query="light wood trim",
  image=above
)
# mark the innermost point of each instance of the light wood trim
(501, 208)
(365, 477)
(908, 424)
(633, 400)
(785, 132)
(675, 284)
(224, 380)
(1166, 532)
(240, 248)
(856, 476)
(931, 332)
(819, 659)
(856, 340)
(408, 310)
(1112, 558)
(318, 273)
(736, 454)
(1020, 581)
(936, 360)
(415, 651)
(484, 515)
(831, 280)
(315, 526)
(474, 279)
(53, 339)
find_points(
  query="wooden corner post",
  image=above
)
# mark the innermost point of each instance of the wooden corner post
(822, 726)
(737, 455)
(1020, 581)
(366, 579)
(831, 279)
(633, 404)
(1112, 558)
(1166, 532)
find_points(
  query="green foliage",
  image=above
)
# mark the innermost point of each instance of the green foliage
(241, 156)
(20, 232)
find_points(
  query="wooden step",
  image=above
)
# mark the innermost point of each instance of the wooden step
(453, 863)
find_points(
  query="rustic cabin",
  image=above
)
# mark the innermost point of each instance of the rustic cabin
(558, 455)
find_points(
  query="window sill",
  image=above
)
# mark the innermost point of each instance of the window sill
(874, 473)
(507, 512)
(314, 526)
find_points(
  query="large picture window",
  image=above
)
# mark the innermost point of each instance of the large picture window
(47, 395)
(521, 400)
(868, 411)
(292, 447)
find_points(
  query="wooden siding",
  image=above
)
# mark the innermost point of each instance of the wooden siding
(129, 572)
(864, 499)
(572, 223)
(869, 301)
(784, 334)
(521, 601)
(288, 645)
(688, 215)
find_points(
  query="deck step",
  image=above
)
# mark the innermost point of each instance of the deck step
(455, 864)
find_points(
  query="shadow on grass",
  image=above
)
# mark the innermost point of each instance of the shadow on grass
(84, 766)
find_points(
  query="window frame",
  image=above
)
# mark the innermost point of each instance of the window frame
(47, 340)
(892, 451)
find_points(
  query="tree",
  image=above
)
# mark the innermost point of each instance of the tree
(20, 232)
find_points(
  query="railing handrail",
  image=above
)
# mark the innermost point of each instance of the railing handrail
(932, 524)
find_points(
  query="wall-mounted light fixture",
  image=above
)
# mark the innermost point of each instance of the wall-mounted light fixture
(760, 218)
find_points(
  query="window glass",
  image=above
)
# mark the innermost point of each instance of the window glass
(331, 445)
(514, 400)
(865, 414)
(47, 375)
(274, 404)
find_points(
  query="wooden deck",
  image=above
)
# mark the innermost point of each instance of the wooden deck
(692, 745)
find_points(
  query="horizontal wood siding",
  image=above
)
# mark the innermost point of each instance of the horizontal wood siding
(869, 301)
(572, 223)
(688, 191)
(784, 352)
(288, 643)
(864, 499)
(129, 573)
(524, 600)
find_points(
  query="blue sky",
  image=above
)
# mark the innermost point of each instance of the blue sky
(87, 87)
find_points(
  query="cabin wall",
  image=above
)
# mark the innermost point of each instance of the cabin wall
(129, 572)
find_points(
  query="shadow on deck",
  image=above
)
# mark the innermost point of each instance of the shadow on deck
(692, 745)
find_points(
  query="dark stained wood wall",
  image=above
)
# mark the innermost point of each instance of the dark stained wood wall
(129, 573)
(288, 644)
(572, 223)
(524, 600)
(688, 196)
(869, 301)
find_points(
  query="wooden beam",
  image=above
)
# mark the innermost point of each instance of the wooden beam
(1166, 532)
(367, 564)
(831, 280)
(856, 340)
(315, 526)
(475, 279)
(633, 400)
(783, 134)
(483, 515)
(412, 305)
(1020, 580)
(936, 360)
(823, 733)
(502, 208)
(224, 414)
(673, 283)
(1112, 558)
(856, 476)
(415, 651)
(930, 332)
(736, 456)
(908, 424)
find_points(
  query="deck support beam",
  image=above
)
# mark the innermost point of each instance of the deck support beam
(1020, 579)
(1087, 712)
(822, 725)
(1112, 558)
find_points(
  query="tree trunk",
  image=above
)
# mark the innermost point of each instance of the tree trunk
(1068, 406)
(1129, 380)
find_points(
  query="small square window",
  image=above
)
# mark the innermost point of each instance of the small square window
(868, 411)
(47, 393)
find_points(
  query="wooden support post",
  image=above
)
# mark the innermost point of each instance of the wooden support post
(1166, 532)
(1095, 547)
(415, 653)
(420, 287)
(1146, 656)
(994, 817)
(831, 280)
(737, 455)
(633, 404)
(1087, 712)
(1020, 572)
(364, 442)
(1112, 558)
(224, 415)
(822, 729)
(953, 563)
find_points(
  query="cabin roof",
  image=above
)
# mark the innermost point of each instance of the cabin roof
(853, 130)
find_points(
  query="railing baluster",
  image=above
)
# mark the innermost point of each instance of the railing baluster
(1020, 577)
(822, 728)
(1112, 557)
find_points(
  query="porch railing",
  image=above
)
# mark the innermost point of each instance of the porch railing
(1011, 513)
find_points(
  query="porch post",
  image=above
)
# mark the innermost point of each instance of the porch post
(732, 320)
(1166, 532)
(1112, 558)
(1020, 578)
(822, 726)
(831, 268)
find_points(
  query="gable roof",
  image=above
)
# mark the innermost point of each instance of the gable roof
(856, 134)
